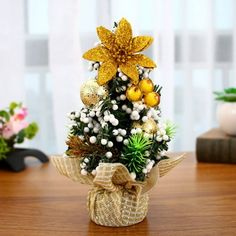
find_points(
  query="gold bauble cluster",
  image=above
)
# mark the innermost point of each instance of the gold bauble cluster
(91, 92)
(143, 90)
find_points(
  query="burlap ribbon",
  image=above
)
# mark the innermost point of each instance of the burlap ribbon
(115, 198)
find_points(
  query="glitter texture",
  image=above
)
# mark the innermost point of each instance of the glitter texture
(119, 50)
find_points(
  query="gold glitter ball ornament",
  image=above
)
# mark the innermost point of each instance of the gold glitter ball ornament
(91, 92)
(150, 126)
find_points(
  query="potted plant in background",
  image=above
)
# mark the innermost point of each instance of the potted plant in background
(226, 112)
(14, 129)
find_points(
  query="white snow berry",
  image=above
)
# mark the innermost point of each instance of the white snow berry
(103, 141)
(115, 132)
(95, 130)
(82, 165)
(158, 139)
(128, 110)
(122, 97)
(144, 119)
(115, 122)
(83, 172)
(119, 138)
(165, 137)
(126, 141)
(92, 113)
(124, 107)
(145, 171)
(110, 144)
(134, 113)
(86, 120)
(124, 78)
(121, 74)
(92, 139)
(86, 129)
(133, 175)
(96, 65)
(108, 154)
(90, 125)
(123, 132)
(115, 107)
(106, 118)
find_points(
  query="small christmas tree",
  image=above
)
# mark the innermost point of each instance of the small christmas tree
(121, 119)
(117, 142)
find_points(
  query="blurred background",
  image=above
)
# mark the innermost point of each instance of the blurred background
(42, 41)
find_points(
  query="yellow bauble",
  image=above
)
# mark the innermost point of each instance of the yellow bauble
(150, 126)
(133, 93)
(91, 92)
(146, 85)
(152, 99)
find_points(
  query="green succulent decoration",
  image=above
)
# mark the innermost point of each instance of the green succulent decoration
(227, 95)
(135, 155)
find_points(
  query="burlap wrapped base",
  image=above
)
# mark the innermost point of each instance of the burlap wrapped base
(115, 198)
(120, 208)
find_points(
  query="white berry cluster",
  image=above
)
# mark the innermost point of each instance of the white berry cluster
(94, 65)
(160, 155)
(83, 166)
(108, 117)
(149, 166)
(120, 135)
(161, 133)
(144, 72)
(153, 113)
(135, 111)
(136, 131)
(73, 117)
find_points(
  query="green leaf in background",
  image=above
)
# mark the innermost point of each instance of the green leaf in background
(170, 129)
(20, 137)
(31, 130)
(5, 115)
(13, 106)
(4, 149)
(228, 95)
(230, 90)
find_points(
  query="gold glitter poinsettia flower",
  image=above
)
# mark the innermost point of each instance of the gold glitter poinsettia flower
(120, 50)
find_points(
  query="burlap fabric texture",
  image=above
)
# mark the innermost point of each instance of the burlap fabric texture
(115, 198)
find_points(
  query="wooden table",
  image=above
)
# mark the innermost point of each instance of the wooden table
(193, 199)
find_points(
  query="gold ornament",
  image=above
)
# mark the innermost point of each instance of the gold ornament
(152, 99)
(91, 92)
(133, 93)
(146, 85)
(150, 126)
(137, 124)
(120, 50)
